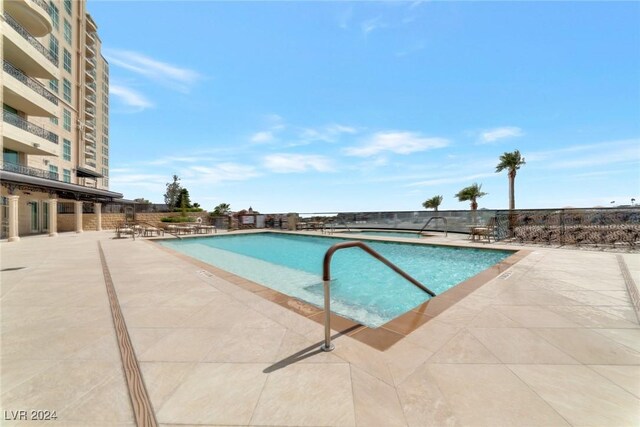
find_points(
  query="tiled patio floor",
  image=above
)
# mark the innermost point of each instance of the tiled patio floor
(555, 343)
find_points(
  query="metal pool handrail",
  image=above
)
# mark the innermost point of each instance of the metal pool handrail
(432, 218)
(326, 280)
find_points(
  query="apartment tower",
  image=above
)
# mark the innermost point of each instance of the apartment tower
(55, 127)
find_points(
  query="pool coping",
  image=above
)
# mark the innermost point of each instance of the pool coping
(385, 336)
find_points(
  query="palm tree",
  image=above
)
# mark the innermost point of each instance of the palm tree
(472, 193)
(222, 209)
(511, 162)
(433, 203)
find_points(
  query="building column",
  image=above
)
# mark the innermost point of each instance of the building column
(78, 211)
(13, 218)
(97, 208)
(53, 217)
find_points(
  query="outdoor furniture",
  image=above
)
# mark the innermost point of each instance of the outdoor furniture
(123, 230)
(483, 231)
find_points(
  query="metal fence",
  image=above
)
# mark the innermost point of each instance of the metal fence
(598, 226)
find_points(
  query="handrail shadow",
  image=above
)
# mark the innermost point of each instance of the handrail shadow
(305, 353)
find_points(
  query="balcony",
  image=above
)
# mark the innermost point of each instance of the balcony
(91, 99)
(90, 75)
(27, 94)
(90, 112)
(26, 170)
(25, 51)
(28, 137)
(90, 124)
(91, 63)
(32, 14)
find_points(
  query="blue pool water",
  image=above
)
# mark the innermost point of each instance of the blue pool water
(363, 289)
(381, 233)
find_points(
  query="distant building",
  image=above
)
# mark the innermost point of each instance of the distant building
(55, 127)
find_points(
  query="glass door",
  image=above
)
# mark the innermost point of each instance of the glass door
(35, 216)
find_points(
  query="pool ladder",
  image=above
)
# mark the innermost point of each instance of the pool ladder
(431, 219)
(326, 280)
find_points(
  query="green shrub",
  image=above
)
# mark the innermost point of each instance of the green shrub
(177, 219)
(188, 210)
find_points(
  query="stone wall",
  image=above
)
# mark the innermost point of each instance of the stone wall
(67, 222)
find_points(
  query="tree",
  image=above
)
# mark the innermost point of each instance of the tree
(183, 201)
(471, 193)
(222, 209)
(142, 200)
(172, 193)
(511, 162)
(433, 203)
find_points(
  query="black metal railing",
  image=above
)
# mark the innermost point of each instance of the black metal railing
(30, 82)
(27, 170)
(32, 40)
(597, 226)
(26, 125)
(44, 5)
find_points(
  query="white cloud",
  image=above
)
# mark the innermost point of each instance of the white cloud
(262, 137)
(495, 134)
(589, 155)
(449, 180)
(396, 142)
(328, 133)
(371, 25)
(291, 163)
(220, 172)
(130, 97)
(165, 73)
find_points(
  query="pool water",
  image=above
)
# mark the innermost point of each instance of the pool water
(363, 289)
(405, 235)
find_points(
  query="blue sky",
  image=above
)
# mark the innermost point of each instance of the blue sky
(358, 106)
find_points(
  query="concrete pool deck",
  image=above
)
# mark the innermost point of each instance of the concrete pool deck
(555, 341)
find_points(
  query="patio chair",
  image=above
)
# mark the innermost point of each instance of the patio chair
(485, 232)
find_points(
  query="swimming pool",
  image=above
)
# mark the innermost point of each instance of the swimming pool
(363, 289)
(383, 233)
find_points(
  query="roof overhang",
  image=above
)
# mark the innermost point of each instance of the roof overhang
(87, 173)
(64, 190)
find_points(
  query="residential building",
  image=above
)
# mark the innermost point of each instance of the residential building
(55, 127)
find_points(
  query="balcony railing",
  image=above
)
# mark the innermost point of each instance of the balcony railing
(92, 164)
(32, 40)
(43, 5)
(32, 83)
(26, 170)
(26, 125)
(91, 98)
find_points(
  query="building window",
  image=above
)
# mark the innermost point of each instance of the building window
(53, 172)
(53, 120)
(53, 85)
(67, 6)
(66, 58)
(105, 151)
(55, 15)
(11, 156)
(105, 140)
(66, 149)
(66, 175)
(67, 31)
(53, 47)
(105, 161)
(66, 122)
(66, 90)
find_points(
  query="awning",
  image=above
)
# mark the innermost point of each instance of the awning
(87, 173)
(63, 189)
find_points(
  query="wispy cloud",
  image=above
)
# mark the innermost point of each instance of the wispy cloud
(292, 163)
(220, 172)
(396, 142)
(370, 25)
(344, 18)
(262, 137)
(449, 180)
(164, 73)
(329, 133)
(130, 97)
(275, 124)
(493, 135)
(589, 155)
